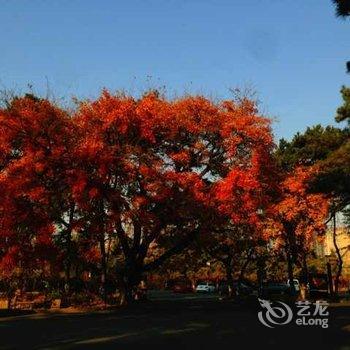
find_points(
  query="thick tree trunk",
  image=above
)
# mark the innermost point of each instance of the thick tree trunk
(127, 295)
(128, 291)
(129, 279)
(135, 253)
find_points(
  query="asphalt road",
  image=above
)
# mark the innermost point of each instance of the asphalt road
(172, 322)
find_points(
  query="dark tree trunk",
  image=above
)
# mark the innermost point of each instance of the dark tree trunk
(128, 289)
(305, 270)
(129, 279)
(261, 274)
(130, 275)
(290, 251)
(290, 272)
(330, 279)
(339, 257)
(229, 277)
(68, 264)
(244, 267)
(103, 269)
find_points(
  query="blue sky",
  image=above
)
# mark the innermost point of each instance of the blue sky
(292, 52)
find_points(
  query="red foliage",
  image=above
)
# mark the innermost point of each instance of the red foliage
(140, 170)
(298, 210)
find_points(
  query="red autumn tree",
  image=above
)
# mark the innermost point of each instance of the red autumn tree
(296, 217)
(154, 173)
(34, 141)
(139, 178)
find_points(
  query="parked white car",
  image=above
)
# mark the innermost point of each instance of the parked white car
(205, 287)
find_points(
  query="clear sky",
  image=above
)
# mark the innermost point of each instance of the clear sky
(292, 52)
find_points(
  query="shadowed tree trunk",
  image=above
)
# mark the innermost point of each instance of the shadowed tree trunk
(339, 257)
(130, 275)
(69, 252)
(102, 244)
(330, 279)
(129, 279)
(229, 277)
(68, 263)
(305, 269)
(245, 265)
(103, 269)
(290, 251)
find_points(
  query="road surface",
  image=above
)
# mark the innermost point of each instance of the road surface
(171, 322)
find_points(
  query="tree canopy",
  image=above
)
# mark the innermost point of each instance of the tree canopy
(342, 8)
(145, 174)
